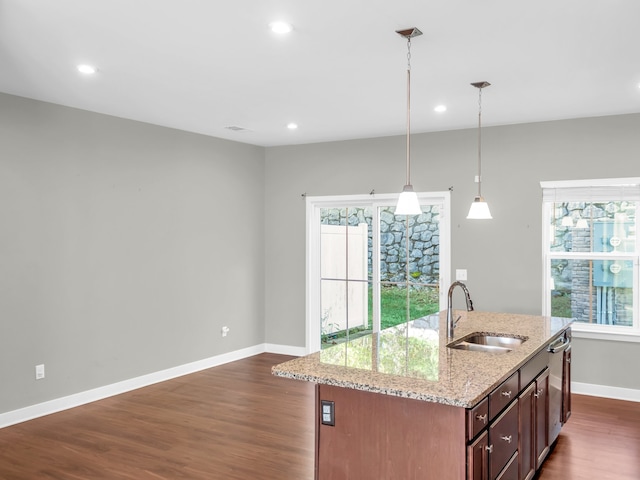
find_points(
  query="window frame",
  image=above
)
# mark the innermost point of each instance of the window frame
(565, 191)
(316, 203)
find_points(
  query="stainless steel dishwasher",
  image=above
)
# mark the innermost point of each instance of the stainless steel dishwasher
(559, 383)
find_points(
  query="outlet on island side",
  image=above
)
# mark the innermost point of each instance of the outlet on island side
(224, 331)
(328, 412)
(39, 372)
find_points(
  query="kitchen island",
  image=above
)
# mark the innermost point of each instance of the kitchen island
(402, 404)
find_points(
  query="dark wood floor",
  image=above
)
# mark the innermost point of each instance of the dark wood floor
(600, 441)
(237, 421)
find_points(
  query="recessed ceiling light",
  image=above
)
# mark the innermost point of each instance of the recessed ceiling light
(280, 27)
(292, 126)
(440, 108)
(87, 69)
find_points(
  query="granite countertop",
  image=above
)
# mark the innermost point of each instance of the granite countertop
(412, 360)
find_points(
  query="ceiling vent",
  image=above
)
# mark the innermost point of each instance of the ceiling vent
(235, 128)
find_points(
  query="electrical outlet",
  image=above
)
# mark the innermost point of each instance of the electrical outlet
(39, 372)
(328, 412)
(224, 331)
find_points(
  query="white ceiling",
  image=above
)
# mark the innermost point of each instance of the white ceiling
(203, 65)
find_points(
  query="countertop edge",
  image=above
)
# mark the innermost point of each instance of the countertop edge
(371, 382)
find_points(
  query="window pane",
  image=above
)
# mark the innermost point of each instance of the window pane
(344, 305)
(422, 249)
(593, 227)
(346, 240)
(423, 301)
(593, 291)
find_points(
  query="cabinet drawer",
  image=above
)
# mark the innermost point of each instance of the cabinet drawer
(477, 418)
(510, 472)
(505, 393)
(533, 367)
(503, 439)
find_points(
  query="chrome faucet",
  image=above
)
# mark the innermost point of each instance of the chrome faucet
(450, 323)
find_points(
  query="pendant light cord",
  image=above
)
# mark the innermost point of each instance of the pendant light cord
(408, 111)
(479, 141)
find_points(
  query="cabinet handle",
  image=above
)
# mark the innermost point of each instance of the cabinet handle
(482, 418)
(538, 393)
(506, 438)
(506, 394)
(489, 448)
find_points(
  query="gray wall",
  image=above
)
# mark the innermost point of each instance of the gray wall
(124, 248)
(502, 256)
(115, 259)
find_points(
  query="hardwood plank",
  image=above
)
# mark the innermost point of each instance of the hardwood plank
(601, 440)
(238, 422)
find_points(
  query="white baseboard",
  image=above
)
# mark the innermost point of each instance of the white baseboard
(605, 391)
(286, 350)
(75, 400)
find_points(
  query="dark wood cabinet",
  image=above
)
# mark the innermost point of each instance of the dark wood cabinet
(541, 407)
(506, 435)
(478, 458)
(503, 395)
(493, 455)
(503, 439)
(526, 419)
(533, 421)
(510, 472)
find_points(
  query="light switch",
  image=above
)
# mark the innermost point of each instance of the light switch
(461, 274)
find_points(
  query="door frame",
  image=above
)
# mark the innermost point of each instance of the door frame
(312, 248)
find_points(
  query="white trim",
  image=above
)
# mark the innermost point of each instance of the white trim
(576, 332)
(605, 391)
(100, 393)
(581, 190)
(312, 240)
(286, 350)
(600, 182)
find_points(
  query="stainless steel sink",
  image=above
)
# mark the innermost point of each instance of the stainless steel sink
(482, 342)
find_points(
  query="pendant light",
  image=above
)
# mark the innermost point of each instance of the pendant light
(479, 209)
(408, 203)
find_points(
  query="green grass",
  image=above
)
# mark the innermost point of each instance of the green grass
(561, 306)
(393, 305)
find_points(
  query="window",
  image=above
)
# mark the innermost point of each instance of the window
(368, 269)
(591, 254)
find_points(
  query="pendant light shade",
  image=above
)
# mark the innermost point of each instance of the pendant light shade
(408, 203)
(582, 223)
(479, 208)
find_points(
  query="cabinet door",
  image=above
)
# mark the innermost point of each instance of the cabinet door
(541, 396)
(478, 458)
(566, 386)
(526, 437)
